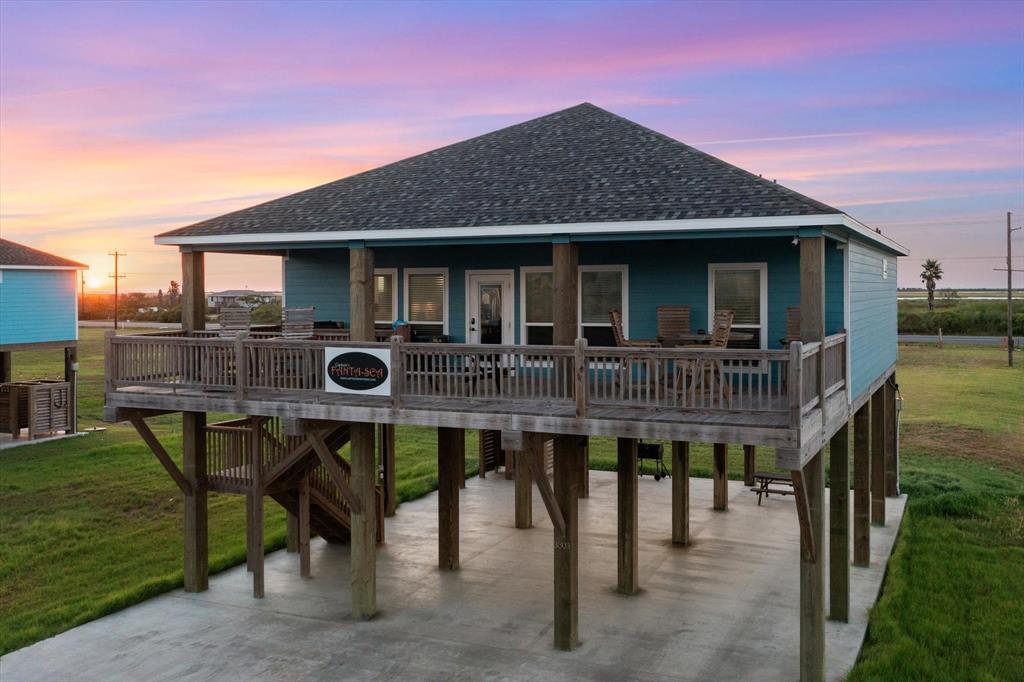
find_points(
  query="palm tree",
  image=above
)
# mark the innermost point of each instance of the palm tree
(931, 272)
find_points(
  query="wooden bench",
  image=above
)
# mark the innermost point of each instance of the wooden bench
(764, 480)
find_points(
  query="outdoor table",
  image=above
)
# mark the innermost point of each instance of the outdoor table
(695, 338)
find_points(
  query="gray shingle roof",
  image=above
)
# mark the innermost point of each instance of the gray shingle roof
(582, 164)
(12, 253)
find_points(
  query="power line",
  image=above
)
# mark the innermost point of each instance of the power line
(116, 276)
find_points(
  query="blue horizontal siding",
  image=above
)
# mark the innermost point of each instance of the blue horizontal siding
(670, 272)
(873, 341)
(37, 306)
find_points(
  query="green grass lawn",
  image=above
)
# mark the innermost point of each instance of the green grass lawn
(90, 525)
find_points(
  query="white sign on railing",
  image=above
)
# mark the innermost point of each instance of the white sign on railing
(363, 371)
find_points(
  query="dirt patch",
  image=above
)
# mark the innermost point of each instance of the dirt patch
(966, 443)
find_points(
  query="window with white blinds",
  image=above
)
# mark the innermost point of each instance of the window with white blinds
(602, 289)
(741, 288)
(385, 296)
(538, 292)
(425, 296)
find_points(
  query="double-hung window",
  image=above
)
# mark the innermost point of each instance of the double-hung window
(603, 288)
(743, 289)
(385, 295)
(426, 300)
(538, 294)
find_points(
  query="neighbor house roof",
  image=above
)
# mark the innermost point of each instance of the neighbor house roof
(579, 167)
(19, 256)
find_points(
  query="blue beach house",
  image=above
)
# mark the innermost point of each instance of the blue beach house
(572, 276)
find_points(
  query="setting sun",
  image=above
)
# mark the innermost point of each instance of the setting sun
(93, 281)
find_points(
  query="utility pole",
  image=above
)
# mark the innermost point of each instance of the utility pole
(116, 276)
(1009, 289)
(81, 298)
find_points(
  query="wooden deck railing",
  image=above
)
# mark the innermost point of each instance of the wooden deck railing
(589, 378)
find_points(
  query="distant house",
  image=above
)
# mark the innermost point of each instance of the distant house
(241, 297)
(38, 309)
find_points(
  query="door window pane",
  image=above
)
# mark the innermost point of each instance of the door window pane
(426, 297)
(600, 292)
(740, 292)
(383, 298)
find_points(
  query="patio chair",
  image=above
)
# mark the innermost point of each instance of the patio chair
(297, 323)
(234, 320)
(710, 372)
(629, 361)
(792, 326)
(673, 320)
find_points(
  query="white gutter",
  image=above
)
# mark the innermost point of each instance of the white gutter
(44, 267)
(781, 223)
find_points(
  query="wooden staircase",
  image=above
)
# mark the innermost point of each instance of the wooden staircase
(285, 463)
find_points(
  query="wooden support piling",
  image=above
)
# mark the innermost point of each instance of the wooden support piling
(387, 466)
(878, 457)
(524, 480)
(304, 558)
(363, 522)
(71, 376)
(891, 475)
(749, 464)
(193, 458)
(566, 556)
(291, 533)
(862, 486)
(255, 520)
(628, 517)
(839, 525)
(680, 493)
(812, 576)
(584, 444)
(450, 459)
(721, 476)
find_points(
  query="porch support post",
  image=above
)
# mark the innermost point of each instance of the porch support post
(566, 589)
(629, 517)
(565, 264)
(524, 478)
(387, 465)
(862, 486)
(878, 457)
(71, 376)
(360, 288)
(193, 291)
(891, 462)
(584, 442)
(193, 460)
(839, 525)
(450, 458)
(363, 522)
(5, 366)
(680, 493)
(812, 576)
(749, 464)
(721, 476)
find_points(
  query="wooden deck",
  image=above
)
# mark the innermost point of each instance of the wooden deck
(757, 397)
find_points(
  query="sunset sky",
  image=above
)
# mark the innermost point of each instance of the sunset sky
(118, 121)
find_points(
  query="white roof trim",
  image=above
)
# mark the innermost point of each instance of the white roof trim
(44, 267)
(694, 225)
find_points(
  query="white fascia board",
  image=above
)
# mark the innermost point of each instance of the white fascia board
(616, 227)
(44, 267)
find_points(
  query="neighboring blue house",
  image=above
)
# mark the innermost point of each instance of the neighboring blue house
(38, 306)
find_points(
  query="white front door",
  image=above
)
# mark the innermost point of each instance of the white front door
(489, 306)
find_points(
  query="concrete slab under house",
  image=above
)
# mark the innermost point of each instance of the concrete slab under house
(544, 283)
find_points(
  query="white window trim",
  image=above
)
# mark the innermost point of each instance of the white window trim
(763, 268)
(624, 269)
(523, 324)
(394, 292)
(426, 271)
(502, 273)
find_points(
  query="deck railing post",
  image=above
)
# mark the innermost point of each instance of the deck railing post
(397, 372)
(580, 377)
(796, 383)
(241, 366)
